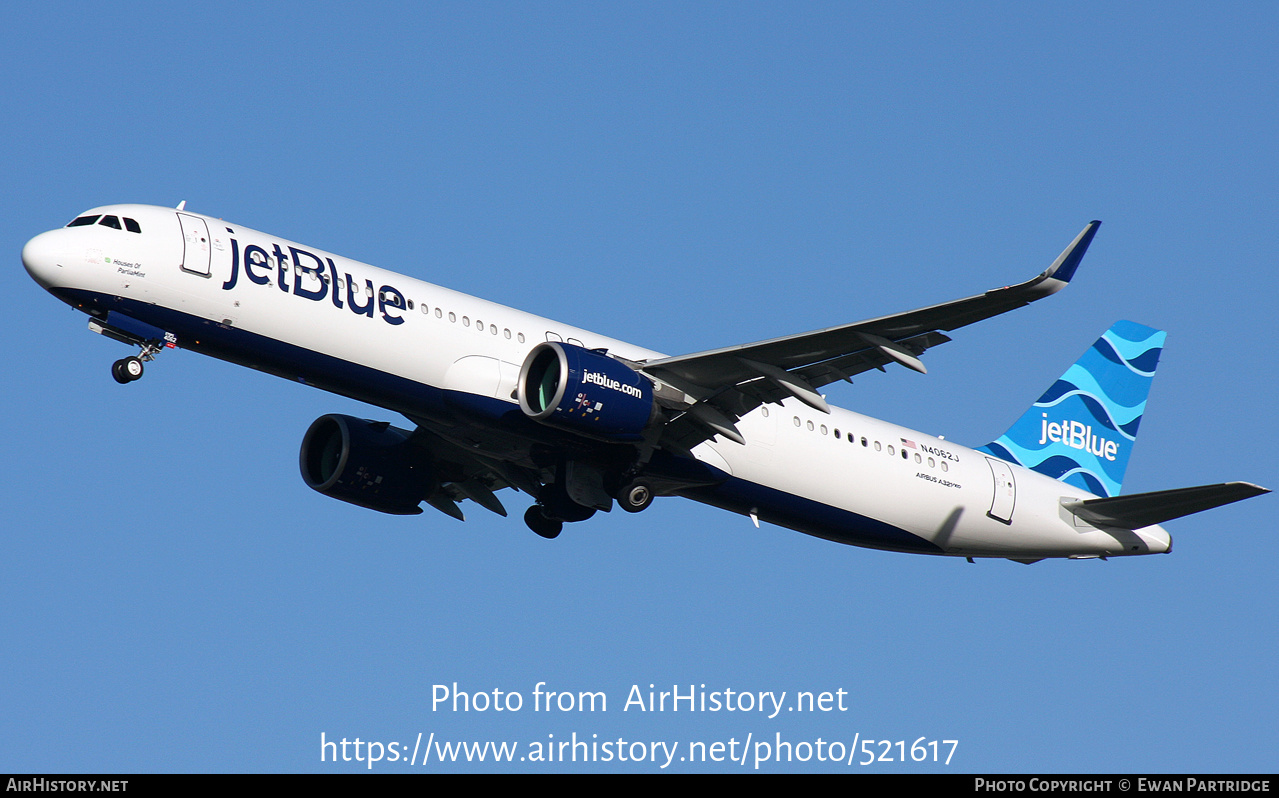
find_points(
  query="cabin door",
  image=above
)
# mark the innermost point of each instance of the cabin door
(1001, 506)
(195, 245)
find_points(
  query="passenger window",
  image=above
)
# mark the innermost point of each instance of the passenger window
(507, 333)
(110, 221)
(891, 451)
(132, 226)
(493, 330)
(82, 221)
(521, 337)
(452, 317)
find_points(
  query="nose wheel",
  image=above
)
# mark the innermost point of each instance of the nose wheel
(127, 370)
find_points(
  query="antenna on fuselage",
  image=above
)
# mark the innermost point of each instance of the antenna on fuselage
(182, 206)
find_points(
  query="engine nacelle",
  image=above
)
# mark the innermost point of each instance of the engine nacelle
(364, 462)
(586, 392)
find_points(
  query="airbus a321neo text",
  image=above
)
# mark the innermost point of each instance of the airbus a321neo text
(499, 398)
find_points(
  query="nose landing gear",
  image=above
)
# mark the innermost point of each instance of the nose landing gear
(150, 340)
(128, 369)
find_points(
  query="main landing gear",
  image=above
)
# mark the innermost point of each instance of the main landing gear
(554, 508)
(635, 496)
(542, 525)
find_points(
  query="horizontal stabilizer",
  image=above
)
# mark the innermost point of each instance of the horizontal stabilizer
(1146, 509)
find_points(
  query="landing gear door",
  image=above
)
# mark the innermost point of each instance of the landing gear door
(1001, 506)
(195, 243)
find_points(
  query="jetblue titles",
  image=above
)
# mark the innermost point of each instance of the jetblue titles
(1077, 435)
(313, 279)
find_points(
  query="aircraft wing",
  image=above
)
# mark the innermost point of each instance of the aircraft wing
(722, 385)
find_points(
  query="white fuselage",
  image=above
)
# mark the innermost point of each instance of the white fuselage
(309, 315)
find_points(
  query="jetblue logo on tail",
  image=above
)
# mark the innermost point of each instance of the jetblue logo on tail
(1082, 429)
(1077, 435)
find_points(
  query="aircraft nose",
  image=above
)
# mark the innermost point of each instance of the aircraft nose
(41, 257)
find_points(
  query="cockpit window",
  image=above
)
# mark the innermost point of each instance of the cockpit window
(107, 221)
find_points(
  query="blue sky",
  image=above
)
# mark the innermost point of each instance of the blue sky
(684, 176)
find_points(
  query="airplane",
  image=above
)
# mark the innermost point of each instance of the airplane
(501, 398)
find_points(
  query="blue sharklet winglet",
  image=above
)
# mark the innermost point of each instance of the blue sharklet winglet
(1064, 267)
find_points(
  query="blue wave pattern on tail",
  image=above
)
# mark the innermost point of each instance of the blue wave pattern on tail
(1082, 429)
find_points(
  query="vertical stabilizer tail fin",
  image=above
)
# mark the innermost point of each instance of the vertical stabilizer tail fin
(1083, 429)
